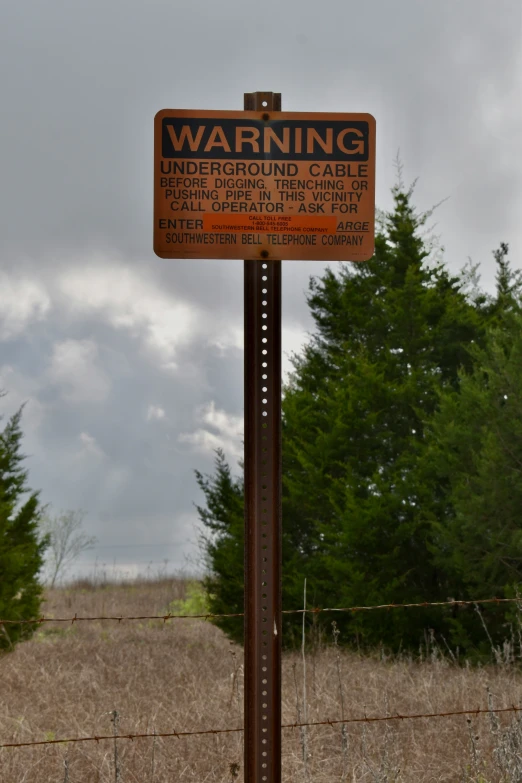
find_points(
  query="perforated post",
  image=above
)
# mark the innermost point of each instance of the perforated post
(262, 507)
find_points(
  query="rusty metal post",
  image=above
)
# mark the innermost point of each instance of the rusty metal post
(262, 507)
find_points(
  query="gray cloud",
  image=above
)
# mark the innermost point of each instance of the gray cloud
(131, 365)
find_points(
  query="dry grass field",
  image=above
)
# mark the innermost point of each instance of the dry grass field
(69, 681)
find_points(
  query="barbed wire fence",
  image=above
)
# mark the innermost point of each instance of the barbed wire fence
(311, 610)
(362, 719)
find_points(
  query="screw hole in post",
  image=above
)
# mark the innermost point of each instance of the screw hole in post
(265, 330)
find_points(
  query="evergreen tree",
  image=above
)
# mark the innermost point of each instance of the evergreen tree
(473, 461)
(21, 547)
(223, 544)
(508, 296)
(390, 334)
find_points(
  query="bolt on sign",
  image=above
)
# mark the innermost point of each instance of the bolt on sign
(268, 185)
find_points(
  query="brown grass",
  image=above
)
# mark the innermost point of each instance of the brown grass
(185, 675)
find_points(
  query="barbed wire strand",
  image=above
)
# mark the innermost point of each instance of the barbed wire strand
(208, 616)
(365, 719)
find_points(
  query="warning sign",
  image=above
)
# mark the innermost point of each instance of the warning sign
(257, 185)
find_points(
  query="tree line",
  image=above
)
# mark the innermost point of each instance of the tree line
(402, 461)
(402, 452)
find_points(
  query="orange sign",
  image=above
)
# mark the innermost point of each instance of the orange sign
(258, 185)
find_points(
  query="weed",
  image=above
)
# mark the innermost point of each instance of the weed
(195, 601)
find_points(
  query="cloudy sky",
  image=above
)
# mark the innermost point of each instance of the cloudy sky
(131, 366)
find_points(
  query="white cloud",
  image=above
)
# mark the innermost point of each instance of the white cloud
(229, 337)
(90, 446)
(22, 301)
(293, 338)
(131, 301)
(217, 429)
(74, 368)
(155, 413)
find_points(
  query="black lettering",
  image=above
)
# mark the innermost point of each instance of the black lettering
(241, 139)
(188, 238)
(292, 239)
(353, 226)
(339, 239)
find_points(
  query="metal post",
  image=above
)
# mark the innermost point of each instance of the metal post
(262, 506)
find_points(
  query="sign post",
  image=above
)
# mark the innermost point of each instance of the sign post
(262, 507)
(260, 185)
